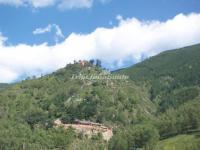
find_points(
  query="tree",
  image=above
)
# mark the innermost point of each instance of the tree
(118, 142)
(98, 63)
(35, 118)
(92, 61)
(142, 136)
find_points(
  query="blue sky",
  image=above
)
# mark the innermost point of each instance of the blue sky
(17, 23)
(119, 32)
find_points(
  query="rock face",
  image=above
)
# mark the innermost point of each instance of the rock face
(88, 128)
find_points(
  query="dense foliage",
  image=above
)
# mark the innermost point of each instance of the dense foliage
(172, 80)
(34, 104)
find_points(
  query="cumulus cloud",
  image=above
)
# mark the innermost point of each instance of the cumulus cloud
(49, 28)
(131, 39)
(62, 4)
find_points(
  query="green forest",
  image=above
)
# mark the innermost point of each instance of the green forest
(157, 108)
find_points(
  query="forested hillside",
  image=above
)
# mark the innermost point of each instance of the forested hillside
(159, 101)
(168, 71)
(172, 80)
(31, 107)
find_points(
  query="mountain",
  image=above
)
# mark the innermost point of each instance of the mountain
(3, 85)
(158, 102)
(180, 64)
(171, 75)
(172, 80)
(33, 105)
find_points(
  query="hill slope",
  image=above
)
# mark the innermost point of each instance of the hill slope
(172, 80)
(170, 75)
(181, 64)
(181, 142)
(35, 104)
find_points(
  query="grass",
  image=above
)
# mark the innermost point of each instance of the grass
(180, 142)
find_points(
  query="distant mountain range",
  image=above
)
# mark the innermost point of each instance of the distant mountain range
(3, 85)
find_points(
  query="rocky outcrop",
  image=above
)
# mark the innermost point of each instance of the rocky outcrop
(88, 128)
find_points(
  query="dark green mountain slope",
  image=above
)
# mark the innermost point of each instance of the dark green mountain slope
(184, 61)
(172, 75)
(172, 80)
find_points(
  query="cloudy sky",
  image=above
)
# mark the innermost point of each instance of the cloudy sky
(41, 36)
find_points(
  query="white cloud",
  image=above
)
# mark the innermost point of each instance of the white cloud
(62, 4)
(33, 3)
(41, 3)
(69, 4)
(130, 39)
(59, 33)
(42, 30)
(49, 28)
(119, 17)
(2, 39)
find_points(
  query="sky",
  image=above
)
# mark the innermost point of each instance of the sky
(40, 36)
